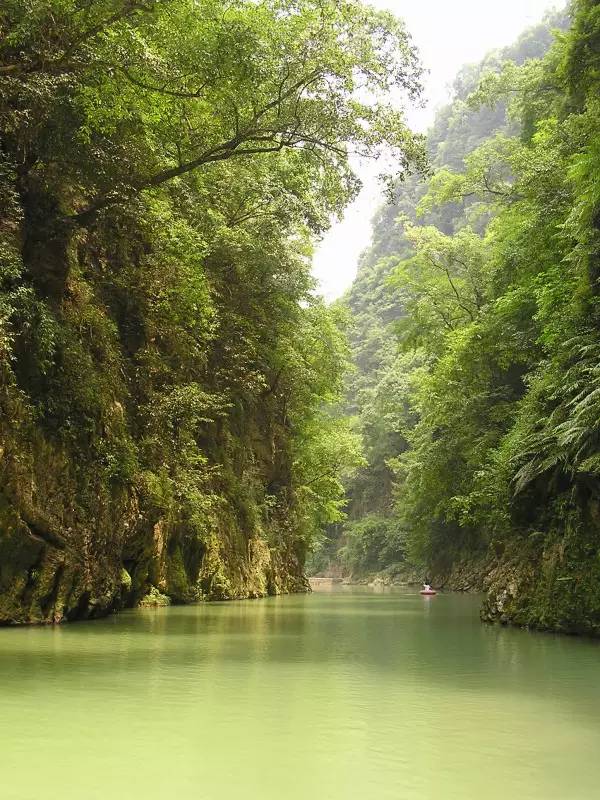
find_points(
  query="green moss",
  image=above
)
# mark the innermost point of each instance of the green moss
(125, 580)
(178, 581)
(154, 598)
(550, 583)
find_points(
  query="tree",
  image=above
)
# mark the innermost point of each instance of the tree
(124, 97)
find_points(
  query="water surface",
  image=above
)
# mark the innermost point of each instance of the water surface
(333, 696)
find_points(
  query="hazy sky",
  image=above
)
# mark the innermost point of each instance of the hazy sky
(448, 33)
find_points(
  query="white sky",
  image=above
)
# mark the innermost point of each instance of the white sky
(448, 34)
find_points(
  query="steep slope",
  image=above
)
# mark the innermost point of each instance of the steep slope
(499, 408)
(165, 368)
(378, 386)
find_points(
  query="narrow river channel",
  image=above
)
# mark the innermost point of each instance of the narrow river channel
(334, 696)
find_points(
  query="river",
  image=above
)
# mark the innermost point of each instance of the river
(336, 695)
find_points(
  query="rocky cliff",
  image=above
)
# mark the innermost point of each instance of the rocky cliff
(78, 541)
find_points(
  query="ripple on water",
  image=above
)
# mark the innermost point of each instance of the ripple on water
(333, 695)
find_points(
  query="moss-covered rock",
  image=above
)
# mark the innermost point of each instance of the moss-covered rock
(75, 545)
(84, 532)
(548, 582)
(154, 598)
(148, 431)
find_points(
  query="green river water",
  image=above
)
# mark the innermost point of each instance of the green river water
(333, 696)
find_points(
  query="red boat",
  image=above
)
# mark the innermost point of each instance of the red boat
(428, 592)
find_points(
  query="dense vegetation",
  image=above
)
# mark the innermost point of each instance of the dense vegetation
(378, 392)
(165, 367)
(476, 341)
(170, 385)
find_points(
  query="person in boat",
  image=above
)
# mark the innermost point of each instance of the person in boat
(426, 587)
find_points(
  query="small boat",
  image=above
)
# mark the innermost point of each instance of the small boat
(428, 592)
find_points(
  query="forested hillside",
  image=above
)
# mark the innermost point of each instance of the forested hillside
(165, 367)
(377, 392)
(177, 418)
(476, 342)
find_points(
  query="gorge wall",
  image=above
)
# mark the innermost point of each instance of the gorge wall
(166, 368)
(476, 347)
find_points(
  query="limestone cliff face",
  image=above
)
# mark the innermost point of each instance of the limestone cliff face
(73, 547)
(122, 479)
(548, 583)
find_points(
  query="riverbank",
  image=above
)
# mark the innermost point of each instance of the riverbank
(532, 584)
(468, 575)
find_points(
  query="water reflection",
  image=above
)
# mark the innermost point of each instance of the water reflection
(339, 694)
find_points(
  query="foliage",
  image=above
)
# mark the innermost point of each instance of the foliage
(165, 168)
(372, 543)
(146, 92)
(486, 276)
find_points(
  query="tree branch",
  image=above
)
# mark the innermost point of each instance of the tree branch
(275, 139)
